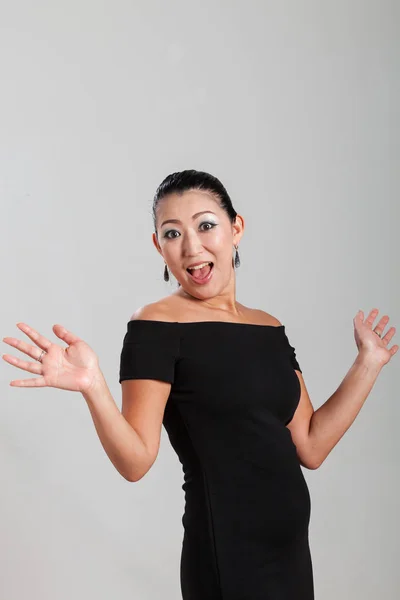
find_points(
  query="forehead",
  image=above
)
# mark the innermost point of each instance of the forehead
(183, 206)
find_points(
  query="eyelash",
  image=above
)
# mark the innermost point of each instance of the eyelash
(203, 223)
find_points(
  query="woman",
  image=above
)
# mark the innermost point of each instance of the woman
(225, 382)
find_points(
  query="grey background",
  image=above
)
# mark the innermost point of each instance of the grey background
(294, 106)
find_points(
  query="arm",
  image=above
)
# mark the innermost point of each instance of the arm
(331, 421)
(316, 433)
(121, 442)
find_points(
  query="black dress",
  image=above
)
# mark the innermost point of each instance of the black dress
(247, 505)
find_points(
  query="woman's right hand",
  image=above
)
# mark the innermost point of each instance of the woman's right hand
(75, 368)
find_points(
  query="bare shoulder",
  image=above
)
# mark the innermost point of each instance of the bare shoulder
(261, 317)
(173, 308)
(160, 310)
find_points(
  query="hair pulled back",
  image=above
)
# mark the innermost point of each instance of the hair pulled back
(183, 181)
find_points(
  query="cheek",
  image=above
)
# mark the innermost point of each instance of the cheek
(221, 241)
(171, 253)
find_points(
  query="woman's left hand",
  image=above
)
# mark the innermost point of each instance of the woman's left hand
(369, 343)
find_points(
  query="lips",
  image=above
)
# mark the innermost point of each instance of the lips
(205, 279)
(204, 262)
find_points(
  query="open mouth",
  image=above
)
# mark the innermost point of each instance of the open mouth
(201, 273)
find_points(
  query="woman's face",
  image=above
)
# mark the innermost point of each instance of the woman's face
(192, 228)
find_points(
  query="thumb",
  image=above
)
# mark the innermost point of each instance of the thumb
(359, 316)
(67, 336)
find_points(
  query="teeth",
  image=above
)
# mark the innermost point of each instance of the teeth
(199, 266)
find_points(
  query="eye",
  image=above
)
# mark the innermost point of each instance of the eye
(208, 223)
(169, 237)
(166, 234)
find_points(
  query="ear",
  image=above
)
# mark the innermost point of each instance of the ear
(238, 229)
(156, 244)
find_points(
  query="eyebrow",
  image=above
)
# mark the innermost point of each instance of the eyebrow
(193, 217)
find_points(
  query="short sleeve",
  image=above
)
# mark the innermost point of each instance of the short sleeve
(292, 355)
(293, 359)
(149, 350)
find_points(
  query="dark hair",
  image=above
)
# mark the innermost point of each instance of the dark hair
(182, 181)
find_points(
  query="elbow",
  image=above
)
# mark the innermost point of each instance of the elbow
(311, 463)
(135, 477)
(314, 464)
(136, 474)
(309, 456)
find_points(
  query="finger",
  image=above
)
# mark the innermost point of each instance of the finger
(371, 317)
(67, 336)
(35, 336)
(24, 347)
(394, 349)
(382, 323)
(389, 334)
(38, 382)
(32, 367)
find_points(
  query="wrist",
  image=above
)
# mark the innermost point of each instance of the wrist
(368, 360)
(96, 387)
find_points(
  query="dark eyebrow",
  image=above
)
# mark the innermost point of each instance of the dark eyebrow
(193, 217)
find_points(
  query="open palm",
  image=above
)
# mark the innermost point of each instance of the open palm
(74, 368)
(370, 338)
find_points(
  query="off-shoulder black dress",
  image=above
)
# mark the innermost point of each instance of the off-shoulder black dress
(247, 505)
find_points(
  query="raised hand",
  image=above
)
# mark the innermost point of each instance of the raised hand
(75, 368)
(368, 340)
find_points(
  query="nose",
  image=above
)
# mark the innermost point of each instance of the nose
(191, 244)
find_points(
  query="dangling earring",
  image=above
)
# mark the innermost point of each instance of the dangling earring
(237, 259)
(166, 274)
